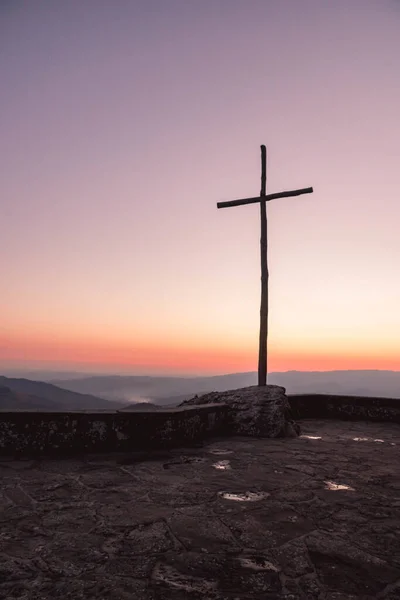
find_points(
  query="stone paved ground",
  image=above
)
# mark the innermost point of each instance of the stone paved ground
(313, 517)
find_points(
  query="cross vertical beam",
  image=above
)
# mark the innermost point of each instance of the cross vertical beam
(262, 348)
(263, 198)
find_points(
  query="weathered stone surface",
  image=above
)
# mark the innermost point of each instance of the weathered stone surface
(33, 433)
(317, 516)
(254, 411)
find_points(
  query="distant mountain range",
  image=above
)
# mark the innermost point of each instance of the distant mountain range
(115, 392)
(25, 393)
(169, 390)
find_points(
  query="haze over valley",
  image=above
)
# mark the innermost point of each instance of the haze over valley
(77, 391)
(164, 390)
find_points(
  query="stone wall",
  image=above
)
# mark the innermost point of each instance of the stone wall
(48, 433)
(356, 408)
(250, 411)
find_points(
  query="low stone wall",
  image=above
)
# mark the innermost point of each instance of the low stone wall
(250, 411)
(356, 408)
(48, 433)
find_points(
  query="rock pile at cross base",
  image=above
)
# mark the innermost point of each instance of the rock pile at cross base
(256, 411)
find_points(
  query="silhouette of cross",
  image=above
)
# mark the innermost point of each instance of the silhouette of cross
(263, 199)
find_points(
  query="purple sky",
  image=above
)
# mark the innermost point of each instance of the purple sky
(124, 122)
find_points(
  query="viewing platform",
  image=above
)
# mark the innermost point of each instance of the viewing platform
(314, 516)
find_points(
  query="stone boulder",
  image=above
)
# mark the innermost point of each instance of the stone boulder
(255, 411)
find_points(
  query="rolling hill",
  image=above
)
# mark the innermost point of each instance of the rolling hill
(25, 393)
(10, 400)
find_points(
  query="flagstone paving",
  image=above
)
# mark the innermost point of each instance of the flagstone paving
(311, 517)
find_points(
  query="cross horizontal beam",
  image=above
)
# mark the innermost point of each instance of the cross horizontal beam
(308, 190)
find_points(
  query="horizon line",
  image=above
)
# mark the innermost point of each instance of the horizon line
(180, 376)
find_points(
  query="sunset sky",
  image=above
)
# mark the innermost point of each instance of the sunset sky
(124, 122)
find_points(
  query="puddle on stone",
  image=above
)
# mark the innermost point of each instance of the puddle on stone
(311, 437)
(331, 485)
(222, 465)
(257, 564)
(244, 496)
(366, 439)
(217, 451)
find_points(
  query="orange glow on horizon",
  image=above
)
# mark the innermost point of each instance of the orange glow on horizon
(195, 358)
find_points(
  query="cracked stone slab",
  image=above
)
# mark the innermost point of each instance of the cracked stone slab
(219, 576)
(98, 588)
(359, 570)
(199, 529)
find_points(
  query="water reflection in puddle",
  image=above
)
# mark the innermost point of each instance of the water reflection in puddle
(222, 465)
(366, 439)
(220, 451)
(244, 496)
(331, 485)
(311, 437)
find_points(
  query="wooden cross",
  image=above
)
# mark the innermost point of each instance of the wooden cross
(262, 199)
